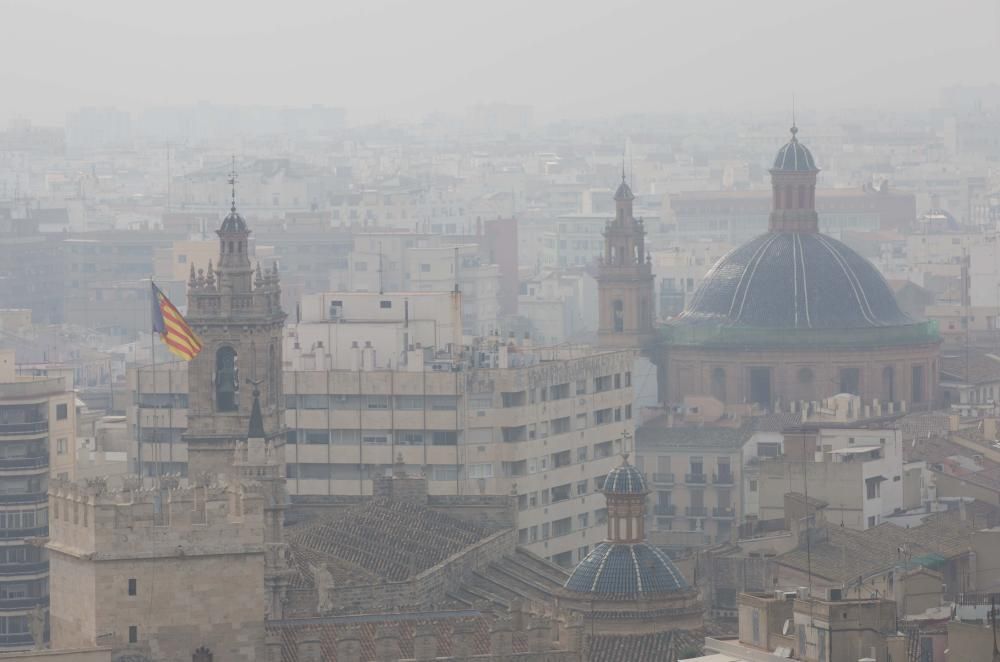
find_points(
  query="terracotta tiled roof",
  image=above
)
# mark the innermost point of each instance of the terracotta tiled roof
(660, 647)
(840, 554)
(383, 539)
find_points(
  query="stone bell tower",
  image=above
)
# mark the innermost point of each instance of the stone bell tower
(235, 309)
(625, 279)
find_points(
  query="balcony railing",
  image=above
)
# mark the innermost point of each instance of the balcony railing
(9, 604)
(18, 640)
(35, 427)
(38, 462)
(725, 513)
(29, 497)
(33, 568)
(696, 511)
(695, 479)
(663, 478)
(666, 510)
(725, 478)
(37, 531)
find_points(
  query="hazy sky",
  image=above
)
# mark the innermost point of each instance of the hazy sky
(567, 58)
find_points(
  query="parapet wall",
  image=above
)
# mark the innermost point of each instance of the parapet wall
(99, 523)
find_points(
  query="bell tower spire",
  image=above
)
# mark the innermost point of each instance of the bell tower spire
(625, 277)
(239, 320)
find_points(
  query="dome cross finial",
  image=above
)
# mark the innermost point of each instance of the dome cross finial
(795, 128)
(232, 182)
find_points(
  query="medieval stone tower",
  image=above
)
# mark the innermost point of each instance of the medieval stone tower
(625, 280)
(236, 311)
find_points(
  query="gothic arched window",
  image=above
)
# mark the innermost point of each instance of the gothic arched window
(273, 374)
(227, 379)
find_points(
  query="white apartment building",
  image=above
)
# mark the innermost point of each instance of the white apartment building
(855, 469)
(442, 268)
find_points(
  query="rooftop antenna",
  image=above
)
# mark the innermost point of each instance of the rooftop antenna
(232, 182)
(381, 290)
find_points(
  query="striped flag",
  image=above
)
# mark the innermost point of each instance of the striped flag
(174, 331)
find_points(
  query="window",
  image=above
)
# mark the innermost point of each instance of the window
(769, 449)
(581, 454)
(424, 268)
(133, 634)
(559, 391)
(384, 304)
(132, 586)
(560, 425)
(602, 384)
(484, 470)
(628, 412)
(60, 446)
(62, 412)
(628, 379)
(581, 421)
(603, 416)
(581, 387)
(227, 379)
(581, 488)
(753, 486)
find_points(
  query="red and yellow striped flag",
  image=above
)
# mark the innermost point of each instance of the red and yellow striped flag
(173, 329)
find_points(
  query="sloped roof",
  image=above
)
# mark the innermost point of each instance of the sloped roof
(842, 555)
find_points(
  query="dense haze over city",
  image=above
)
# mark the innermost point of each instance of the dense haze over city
(550, 332)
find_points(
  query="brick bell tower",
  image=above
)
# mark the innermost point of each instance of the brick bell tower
(625, 279)
(236, 311)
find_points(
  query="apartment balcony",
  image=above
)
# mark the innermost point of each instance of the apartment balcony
(21, 604)
(722, 478)
(16, 569)
(695, 479)
(28, 497)
(696, 511)
(34, 532)
(16, 641)
(724, 513)
(37, 462)
(665, 510)
(22, 429)
(663, 479)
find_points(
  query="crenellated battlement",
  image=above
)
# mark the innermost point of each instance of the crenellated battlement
(99, 521)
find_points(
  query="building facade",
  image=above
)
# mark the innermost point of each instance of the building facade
(37, 439)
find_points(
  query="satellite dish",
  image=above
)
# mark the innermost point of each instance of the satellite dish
(786, 627)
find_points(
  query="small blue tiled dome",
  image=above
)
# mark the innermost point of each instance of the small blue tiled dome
(626, 569)
(625, 479)
(234, 222)
(794, 156)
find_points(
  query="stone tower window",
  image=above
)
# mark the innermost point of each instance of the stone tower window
(227, 379)
(202, 655)
(618, 315)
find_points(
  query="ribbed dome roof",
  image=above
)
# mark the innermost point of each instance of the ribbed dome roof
(624, 479)
(794, 156)
(626, 570)
(795, 280)
(234, 223)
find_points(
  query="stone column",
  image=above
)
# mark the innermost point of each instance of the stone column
(272, 643)
(348, 644)
(424, 642)
(463, 639)
(308, 648)
(539, 635)
(501, 637)
(387, 644)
